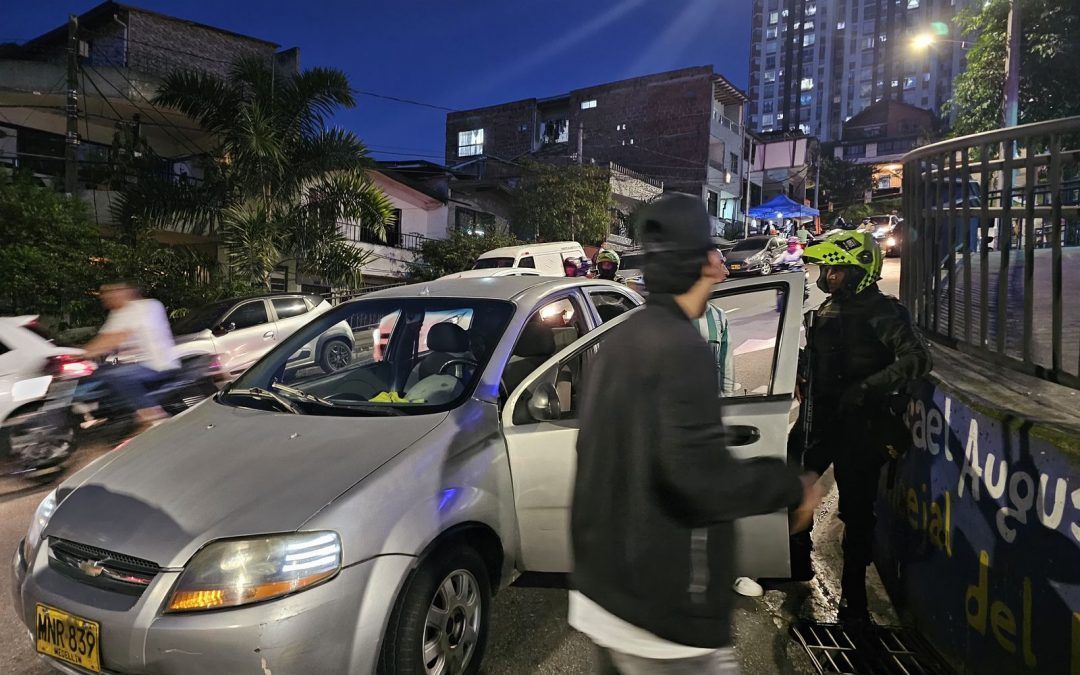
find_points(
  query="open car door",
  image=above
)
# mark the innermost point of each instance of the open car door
(540, 421)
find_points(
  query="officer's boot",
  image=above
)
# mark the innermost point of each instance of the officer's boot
(854, 610)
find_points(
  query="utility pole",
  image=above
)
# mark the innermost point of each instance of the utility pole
(580, 141)
(71, 141)
(749, 172)
(1012, 66)
(817, 177)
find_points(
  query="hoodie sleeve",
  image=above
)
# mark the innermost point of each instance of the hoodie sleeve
(696, 475)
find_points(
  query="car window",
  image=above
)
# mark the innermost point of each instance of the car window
(527, 262)
(493, 263)
(567, 379)
(610, 304)
(743, 336)
(329, 366)
(289, 307)
(248, 314)
(549, 330)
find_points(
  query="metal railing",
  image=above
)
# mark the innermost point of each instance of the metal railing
(991, 239)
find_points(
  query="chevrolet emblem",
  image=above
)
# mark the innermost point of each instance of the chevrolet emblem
(91, 568)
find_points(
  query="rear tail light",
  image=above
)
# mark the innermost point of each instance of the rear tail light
(69, 366)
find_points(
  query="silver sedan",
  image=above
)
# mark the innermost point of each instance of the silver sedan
(360, 519)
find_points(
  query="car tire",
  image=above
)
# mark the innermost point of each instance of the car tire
(766, 269)
(441, 617)
(335, 355)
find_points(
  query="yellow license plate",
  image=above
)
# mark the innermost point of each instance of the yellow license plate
(736, 266)
(69, 638)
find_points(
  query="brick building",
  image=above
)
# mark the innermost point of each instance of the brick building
(681, 128)
(881, 135)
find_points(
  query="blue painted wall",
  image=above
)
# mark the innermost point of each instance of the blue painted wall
(979, 539)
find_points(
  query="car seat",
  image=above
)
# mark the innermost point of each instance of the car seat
(447, 341)
(535, 346)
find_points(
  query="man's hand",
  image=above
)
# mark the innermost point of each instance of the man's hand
(853, 398)
(802, 516)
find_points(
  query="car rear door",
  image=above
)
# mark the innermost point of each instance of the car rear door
(254, 334)
(763, 345)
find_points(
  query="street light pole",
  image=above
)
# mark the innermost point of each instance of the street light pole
(1012, 66)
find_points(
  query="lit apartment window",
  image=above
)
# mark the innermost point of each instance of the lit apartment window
(806, 84)
(591, 103)
(774, 18)
(806, 99)
(808, 39)
(767, 120)
(470, 143)
(912, 4)
(770, 33)
(840, 25)
(811, 10)
(770, 76)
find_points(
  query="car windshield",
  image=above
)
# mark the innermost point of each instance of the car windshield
(633, 261)
(491, 263)
(751, 244)
(200, 319)
(392, 356)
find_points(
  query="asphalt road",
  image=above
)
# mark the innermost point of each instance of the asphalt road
(529, 630)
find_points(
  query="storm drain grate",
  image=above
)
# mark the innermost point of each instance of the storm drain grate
(875, 650)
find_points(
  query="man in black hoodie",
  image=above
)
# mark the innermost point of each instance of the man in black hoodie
(657, 491)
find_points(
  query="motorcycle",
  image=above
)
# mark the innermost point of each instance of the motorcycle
(78, 408)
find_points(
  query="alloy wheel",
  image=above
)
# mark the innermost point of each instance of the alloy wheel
(452, 627)
(338, 355)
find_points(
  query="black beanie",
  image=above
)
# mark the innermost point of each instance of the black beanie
(674, 232)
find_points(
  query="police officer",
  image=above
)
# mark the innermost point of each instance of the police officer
(861, 349)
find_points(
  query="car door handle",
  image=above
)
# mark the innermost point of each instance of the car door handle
(742, 435)
(268, 334)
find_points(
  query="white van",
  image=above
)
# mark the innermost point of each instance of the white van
(547, 259)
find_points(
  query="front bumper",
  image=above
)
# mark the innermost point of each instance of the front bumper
(743, 268)
(336, 627)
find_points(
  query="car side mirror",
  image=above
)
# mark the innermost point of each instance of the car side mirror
(223, 328)
(544, 403)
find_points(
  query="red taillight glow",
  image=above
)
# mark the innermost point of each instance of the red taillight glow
(69, 366)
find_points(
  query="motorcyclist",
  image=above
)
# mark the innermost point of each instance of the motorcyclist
(137, 331)
(792, 258)
(861, 348)
(607, 265)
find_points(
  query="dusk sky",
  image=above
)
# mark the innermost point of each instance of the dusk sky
(458, 53)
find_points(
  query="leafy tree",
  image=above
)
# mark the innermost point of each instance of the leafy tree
(279, 180)
(456, 253)
(54, 259)
(844, 183)
(1049, 64)
(562, 203)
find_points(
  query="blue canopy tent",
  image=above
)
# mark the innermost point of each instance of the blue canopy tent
(780, 207)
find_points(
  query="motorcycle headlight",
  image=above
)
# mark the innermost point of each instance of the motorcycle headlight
(237, 572)
(890, 242)
(37, 525)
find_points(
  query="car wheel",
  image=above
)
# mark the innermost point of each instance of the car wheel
(766, 269)
(440, 624)
(336, 354)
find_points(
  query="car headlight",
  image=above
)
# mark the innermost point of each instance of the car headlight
(890, 242)
(237, 572)
(37, 525)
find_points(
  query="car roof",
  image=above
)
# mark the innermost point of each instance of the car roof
(511, 251)
(265, 296)
(525, 288)
(18, 321)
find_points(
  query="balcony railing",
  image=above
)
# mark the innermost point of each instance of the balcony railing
(991, 239)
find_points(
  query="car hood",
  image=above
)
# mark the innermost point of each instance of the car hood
(218, 471)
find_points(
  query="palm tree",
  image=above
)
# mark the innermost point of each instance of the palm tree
(279, 180)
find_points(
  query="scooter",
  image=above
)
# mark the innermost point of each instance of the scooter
(77, 409)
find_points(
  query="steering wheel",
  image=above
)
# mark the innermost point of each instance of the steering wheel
(457, 362)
